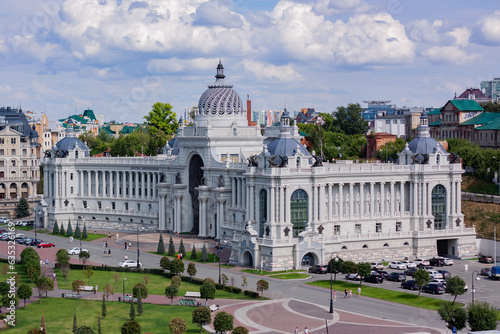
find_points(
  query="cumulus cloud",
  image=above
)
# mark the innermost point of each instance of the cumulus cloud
(489, 28)
(452, 53)
(176, 65)
(268, 71)
(214, 14)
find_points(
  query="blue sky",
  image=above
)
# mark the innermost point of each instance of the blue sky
(120, 57)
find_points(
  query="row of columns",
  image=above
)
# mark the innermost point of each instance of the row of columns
(238, 192)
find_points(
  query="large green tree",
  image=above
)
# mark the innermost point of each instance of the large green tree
(223, 322)
(454, 316)
(455, 286)
(202, 315)
(481, 316)
(23, 208)
(422, 278)
(350, 119)
(207, 291)
(363, 269)
(162, 124)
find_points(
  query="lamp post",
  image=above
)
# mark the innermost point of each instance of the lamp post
(124, 279)
(78, 222)
(331, 278)
(138, 252)
(219, 252)
(477, 279)
(39, 215)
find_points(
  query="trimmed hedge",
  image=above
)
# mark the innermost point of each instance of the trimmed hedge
(236, 290)
(252, 294)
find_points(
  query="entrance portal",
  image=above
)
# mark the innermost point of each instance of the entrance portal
(247, 259)
(308, 260)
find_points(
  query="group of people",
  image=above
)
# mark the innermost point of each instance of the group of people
(347, 293)
(106, 250)
(306, 331)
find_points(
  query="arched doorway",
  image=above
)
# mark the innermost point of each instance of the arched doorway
(247, 259)
(195, 180)
(308, 260)
(439, 207)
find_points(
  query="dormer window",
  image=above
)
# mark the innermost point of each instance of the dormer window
(438, 158)
(76, 154)
(298, 162)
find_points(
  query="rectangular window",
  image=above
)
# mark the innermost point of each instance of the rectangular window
(1, 141)
(71, 190)
(2, 152)
(378, 227)
(25, 163)
(71, 176)
(99, 204)
(402, 121)
(394, 121)
(25, 152)
(387, 121)
(2, 195)
(84, 204)
(126, 206)
(2, 163)
(12, 140)
(138, 206)
(357, 228)
(113, 205)
(13, 151)
(25, 174)
(398, 226)
(149, 207)
(1, 174)
(336, 229)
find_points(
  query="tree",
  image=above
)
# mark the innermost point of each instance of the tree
(84, 233)
(55, 229)
(76, 285)
(191, 270)
(61, 230)
(481, 316)
(223, 321)
(194, 256)
(43, 284)
(62, 257)
(75, 322)
(176, 266)
(161, 245)
(142, 288)
(69, 232)
(202, 315)
(364, 270)
(350, 120)
(207, 291)
(109, 290)
(84, 330)
(132, 309)
(453, 316)
(177, 326)
(182, 250)
(84, 256)
(165, 263)
(490, 106)
(139, 303)
(4, 289)
(224, 279)
(131, 327)
(77, 231)
(262, 285)
(64, 271)
(99, 330)
(145, 279)
(334, 266)
(171, 292)
(455, 286)
(29, 253)
(176, 280)
(422, 278)
(204, 254)
(171, 247)
(24, 291)
(104, 311)
(244, 282)
(162, 124)
(23, 208)
(32, 268)
(88, 272)
(240, 330)
(348, 267)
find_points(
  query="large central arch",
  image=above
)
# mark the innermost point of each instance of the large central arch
(195, 180)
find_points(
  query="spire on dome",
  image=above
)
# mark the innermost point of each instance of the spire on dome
(220, 71)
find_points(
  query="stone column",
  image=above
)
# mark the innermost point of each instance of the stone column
(233, 192)
(252, 200)
(330, 202)
(372, 200)
(458, 198)
(272, 218)
(203, 217)
(89, 183)
(282, 204)
(361, 199)
(177, 220)
(117, 184)
(352, 200)
(161, 222)
(382, 199)
(341, 201)
(240, 192)
(392, 198)
(429, 199)
(402, 197)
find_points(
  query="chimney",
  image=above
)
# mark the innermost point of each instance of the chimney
(249, 112)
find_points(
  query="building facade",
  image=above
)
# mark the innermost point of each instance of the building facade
(278, 206)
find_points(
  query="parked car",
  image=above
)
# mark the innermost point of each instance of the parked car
(374, 278)
(436, 261)
(486, 259)
(410, 285)
(383, 273)
(438, 281)
(434, 274)
(7, 236)
(422, 262)
(485, 271)
(397, 265)
(129, 264)
(20, 236)
(377, 265)
(318, 269)
(409, 264)
(45, 245)
(434, 288)
(398, 277)
(21, 241)
(76, 250)
(34, 242)
(4, 220)
(448, 261)
(354, 277)
(446, 274)
(411, 271)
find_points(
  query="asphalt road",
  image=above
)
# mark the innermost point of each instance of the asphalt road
(485, 289)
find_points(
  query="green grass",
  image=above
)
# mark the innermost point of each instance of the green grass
(90, 236)
(476, 185)
(405, 298)
(24, 228)
(211, 257)
(59, 316)
(156, 284)
(265, 272)
(290, 276)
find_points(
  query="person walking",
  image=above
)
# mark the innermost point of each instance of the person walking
(105, 252)
(46, 262)
(109, 252)
(345, 293)
(54, 276)
(334, 295)
(350, 293)
(71, 239)
(296, 331)
(359, 291)
(306, 331)
(106, 244)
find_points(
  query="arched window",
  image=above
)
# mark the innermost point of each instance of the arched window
(344, 247)
(439, 207)
(406, 243)
(438, 158)
(386, 245)
(76, 154)
(298, 211)
(298, 162)
(262, 211)
(365, 246)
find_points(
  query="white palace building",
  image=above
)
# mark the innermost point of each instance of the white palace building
(277, 204)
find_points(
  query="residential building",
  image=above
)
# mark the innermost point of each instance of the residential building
(447, 119)
(491, 89)
(473, 94)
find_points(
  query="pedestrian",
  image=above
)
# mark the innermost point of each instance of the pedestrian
(334, 295)
(46, 262)
(54, 276)
(466, 267)
(350, 293)
(359, 291)
(41, 263)
(71, 239)
(178, 256)
(345, 293)
(103, 244)
(126, 257)
(109, 252)
(96, 287)
(129, 244)
(117, 236)
(106, 244)
(105, 252)
(306, 331)
(126, 245)
(296, 331)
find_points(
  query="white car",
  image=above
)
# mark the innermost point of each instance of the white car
(377, 265)
(435, 274)
(422, 262)
(354, 277)
(397, 265)
(448, 261)
(409, 264)
(76, 251)
(439, 281)
(129, 264)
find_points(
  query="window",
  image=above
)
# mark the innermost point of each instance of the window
(113, 205)
(357, 228)
(71, 176)
(13, 152)
(12, 140)
(394, 121)
(402, 121)
(13, 163)
(25, 163)
(378, 227)
(149, 207)
(71, 190)
(1, 141)
(76, 154)
(25, 174)
(298, 211)
(138, 206)
(398, 226)
(336, 229)
(99, 204)
(262, 211)
(24, 151)
(439, 207)
(387, 121)
(1, 174)
(84, 204)
(126, 205)
(298, 162)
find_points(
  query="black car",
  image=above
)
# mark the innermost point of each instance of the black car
(446, 274)
(383, 273)
(21, 241)
(374, 278)
(410, 285)
(436, 262)
(318, 269)
(485, 271)
(36, 242)
(486, 259)
(398, 277)
(434, 288)
(410, 272)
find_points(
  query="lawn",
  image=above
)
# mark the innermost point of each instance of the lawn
(400, 297)
(187, 258)
(265, 272)
(59, 316)
(90, 236)
(290, 276)
(156, 284)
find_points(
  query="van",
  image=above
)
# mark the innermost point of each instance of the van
(4, 220)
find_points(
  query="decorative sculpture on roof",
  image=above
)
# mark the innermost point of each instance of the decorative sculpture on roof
(318, 162)
(420, 158)
(60, 153)
(47, 153)
(253, 161)
(162, 177)
(454, 158)
(221, 181)
(202, 181)
(278, 161)
(178, 178)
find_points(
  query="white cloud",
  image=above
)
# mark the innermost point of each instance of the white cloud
(452, 53)
(176, 65)
(489, 27)
(461, 36)
(268, 71)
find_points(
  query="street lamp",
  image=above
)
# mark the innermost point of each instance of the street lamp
(219, 252)
(331, 278)
(39, 215)
(124, 279)
(477, 279)
(78, 222)
(138, 254)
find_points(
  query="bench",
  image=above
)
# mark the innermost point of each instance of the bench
(127, 299)
(192, 294)
(188, 302)
(86, 288)
(71, 295)
(213, 308)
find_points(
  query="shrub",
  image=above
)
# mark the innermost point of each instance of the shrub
(176, 280)
(194, 256)
(204, 254)
(55, 230)
(223, 321)
(240, 330)
(143, 288)
(131, 327)
(161, 245)
(252, 294)
(177, 326)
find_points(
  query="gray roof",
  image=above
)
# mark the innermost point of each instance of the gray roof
(424, 145)
(286, 147)
(70, 143)
(174, 145)
(16, 120)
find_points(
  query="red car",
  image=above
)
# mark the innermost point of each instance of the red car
(46, 245)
